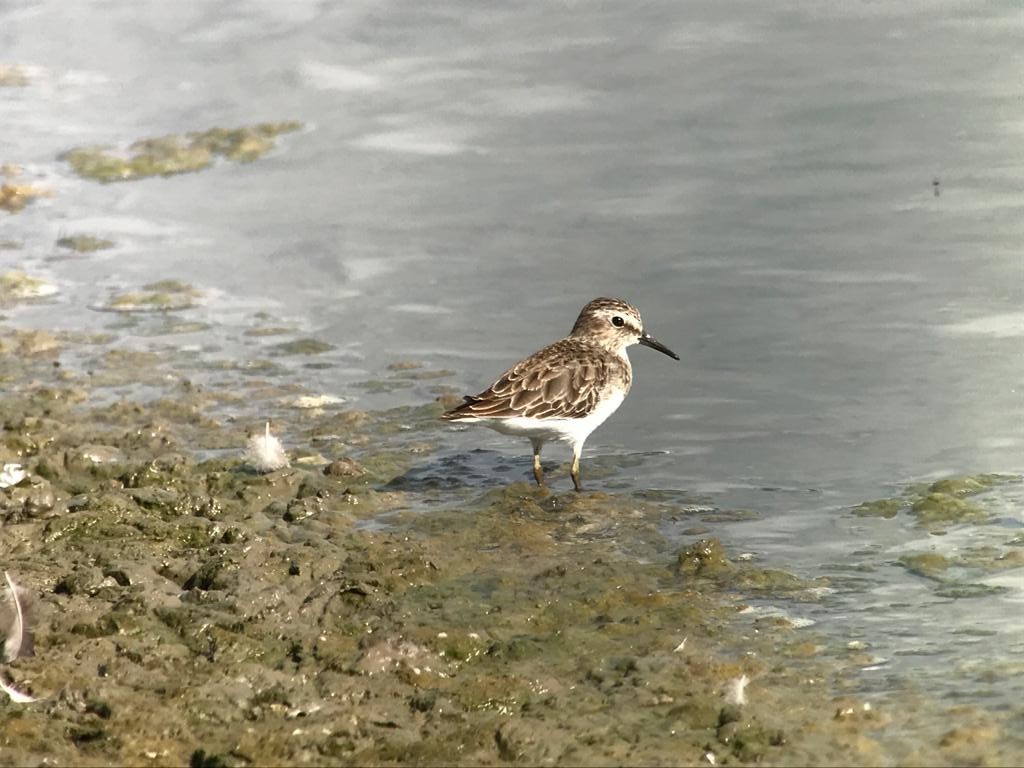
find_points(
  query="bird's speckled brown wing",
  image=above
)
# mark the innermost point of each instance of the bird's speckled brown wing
(564, 380)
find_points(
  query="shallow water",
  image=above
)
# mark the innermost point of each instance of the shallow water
(759, 179)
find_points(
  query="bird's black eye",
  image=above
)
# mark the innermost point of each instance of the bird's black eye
(618, 322)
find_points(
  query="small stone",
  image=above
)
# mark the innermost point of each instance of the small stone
(301, 509)
(344, 468)
(39, 498)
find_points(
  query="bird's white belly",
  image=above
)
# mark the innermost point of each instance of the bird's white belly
(573, 431)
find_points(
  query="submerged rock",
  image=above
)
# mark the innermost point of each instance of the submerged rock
(301, 347)
(345, 467)
(928, 564)
(84, 243)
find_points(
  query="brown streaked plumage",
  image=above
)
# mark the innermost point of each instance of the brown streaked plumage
(567, 389)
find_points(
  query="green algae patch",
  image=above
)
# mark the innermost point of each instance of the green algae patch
(941, 503)
(164, 156)
(242, 144)
(176, 153)
(161, 296)
(84, 243)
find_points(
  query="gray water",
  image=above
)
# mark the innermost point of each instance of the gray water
(759, 178)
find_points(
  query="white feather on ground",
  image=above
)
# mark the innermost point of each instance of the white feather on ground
(19, 634)
(737, 693)
(11, 474)
(18, 641)
(15, 695)
(265, 452)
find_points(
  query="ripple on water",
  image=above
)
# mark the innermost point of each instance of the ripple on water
(1005, 325)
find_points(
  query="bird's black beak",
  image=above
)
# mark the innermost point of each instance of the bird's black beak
(649, 341)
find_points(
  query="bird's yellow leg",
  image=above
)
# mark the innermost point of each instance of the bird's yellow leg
(538, 470)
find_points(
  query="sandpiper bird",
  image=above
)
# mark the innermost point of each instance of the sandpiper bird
(566, 390)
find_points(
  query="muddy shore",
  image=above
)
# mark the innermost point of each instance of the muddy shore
(370, 604)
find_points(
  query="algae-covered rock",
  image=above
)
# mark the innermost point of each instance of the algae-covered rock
(931, 565)
(16, 286)
(938, 509)
(706, 559)
(176, 153)
(161, 296)
(879, 508)
(940, 503)
(703, 558)
(241, 144)
(966, 486)
(14, 197)
(774, 581)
